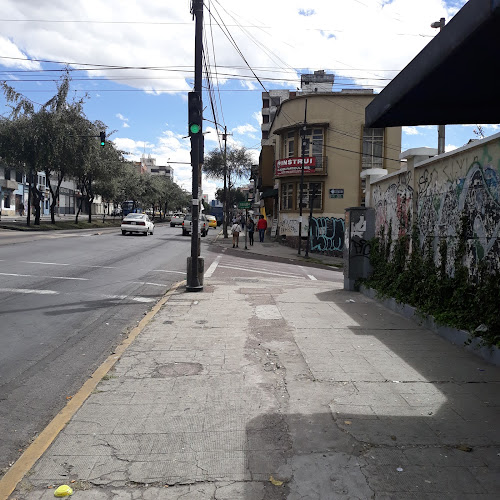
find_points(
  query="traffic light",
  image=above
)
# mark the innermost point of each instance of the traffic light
(194, 113)
(102, 135)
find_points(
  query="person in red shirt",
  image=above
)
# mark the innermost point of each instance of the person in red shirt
(261, 227)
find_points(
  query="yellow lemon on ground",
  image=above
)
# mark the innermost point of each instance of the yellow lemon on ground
(63, 491)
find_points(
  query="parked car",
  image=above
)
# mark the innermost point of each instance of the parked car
(177, 220)
(212, 220)
(137, 223)
(203, 225)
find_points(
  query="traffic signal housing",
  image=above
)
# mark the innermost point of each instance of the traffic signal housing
(102, 135)
(194, 113)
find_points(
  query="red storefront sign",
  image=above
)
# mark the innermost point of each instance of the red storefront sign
(293, 166)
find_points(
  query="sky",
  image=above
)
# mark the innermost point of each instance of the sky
(134, 60)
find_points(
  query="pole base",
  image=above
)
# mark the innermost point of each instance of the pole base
(198, 288)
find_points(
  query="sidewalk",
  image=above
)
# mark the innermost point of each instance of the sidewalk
(272, 248)
(280, 388)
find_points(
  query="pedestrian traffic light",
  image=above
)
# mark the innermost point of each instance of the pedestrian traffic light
(102, 135)
(194, 113)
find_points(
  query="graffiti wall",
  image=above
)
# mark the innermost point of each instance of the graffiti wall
(443, 191)
(326, 233)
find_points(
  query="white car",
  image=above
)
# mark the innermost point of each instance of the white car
(177, 220)
(202, 225)
(137, 223)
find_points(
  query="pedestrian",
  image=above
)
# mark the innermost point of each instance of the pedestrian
(21, 209)
(251, 229)
(236, 230)
(261, 226)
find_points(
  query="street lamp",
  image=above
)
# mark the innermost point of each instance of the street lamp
(441, 128)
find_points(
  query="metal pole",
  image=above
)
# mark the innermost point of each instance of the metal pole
(224, 207)
(303, 135)
(193, 284)
(311, 203)
(441, 128)
(246, 227)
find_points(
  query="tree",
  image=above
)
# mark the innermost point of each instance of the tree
(236, 164)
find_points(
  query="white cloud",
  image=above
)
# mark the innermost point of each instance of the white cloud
(245, 130)
(410, 131)
(121, 117)
(126, 125)
(450, 147)
(140, 31)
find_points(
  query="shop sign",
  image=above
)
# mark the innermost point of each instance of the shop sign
(293, 166)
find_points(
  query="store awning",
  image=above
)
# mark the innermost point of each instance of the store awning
(269, 193)
(453, 80)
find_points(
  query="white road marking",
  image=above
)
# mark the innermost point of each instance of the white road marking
(311, 277)
(263, 271)
(61, 264)
(27, 290)
(123, 297)
(146, 283)
(45, 277)
(213, 267)
(165, 271)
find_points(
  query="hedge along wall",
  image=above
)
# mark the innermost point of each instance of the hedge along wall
(442, 191)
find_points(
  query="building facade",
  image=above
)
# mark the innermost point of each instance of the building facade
(322, 134)
(148, 165)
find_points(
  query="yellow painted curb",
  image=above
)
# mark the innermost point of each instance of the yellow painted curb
(36, 449)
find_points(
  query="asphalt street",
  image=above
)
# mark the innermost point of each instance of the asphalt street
(66, 299)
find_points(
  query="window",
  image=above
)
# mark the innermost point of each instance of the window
(19, 176)
(290, 145)
(7, 174)
(314, 145)
(373, 148)
(287, 196)
(309, 188)
(265, 118)
(265, 103)
(265, 134)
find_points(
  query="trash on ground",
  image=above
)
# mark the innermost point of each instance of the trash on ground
(400, 469)
(350, 300)
(464, 447)
(347, 422)
(275, 481)
(63, 491)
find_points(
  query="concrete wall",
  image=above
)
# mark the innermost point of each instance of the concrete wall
(440, 190)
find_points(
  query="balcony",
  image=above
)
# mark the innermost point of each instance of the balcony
(292, 167)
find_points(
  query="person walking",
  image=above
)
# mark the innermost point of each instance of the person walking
(236, 230)
(261, 226)
(251, 229)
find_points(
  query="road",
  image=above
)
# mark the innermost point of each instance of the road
(66, 300)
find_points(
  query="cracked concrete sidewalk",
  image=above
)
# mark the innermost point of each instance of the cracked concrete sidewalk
(281, 388)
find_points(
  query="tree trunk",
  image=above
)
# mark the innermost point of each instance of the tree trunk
(79, 209)
(37, 198)
(89, 203)
(55, 197)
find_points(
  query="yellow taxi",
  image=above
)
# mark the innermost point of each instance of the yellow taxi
(212, 221)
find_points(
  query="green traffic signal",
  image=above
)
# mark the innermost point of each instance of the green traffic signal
(102, 135)
(194, 128)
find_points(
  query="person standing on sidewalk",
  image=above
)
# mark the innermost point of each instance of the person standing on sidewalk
(236, 230)
(251, 229)
(261, 226)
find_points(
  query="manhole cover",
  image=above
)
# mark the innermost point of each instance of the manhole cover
(178, 370)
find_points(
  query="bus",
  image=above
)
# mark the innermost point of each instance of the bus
(130, 207)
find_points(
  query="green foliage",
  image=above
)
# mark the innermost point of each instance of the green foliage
(457, 299)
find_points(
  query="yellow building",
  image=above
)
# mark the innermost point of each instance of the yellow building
(323, 134)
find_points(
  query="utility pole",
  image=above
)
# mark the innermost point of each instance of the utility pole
(224, 209)
(195, 110)
(312, 196)
(441, 128)
(303, 152)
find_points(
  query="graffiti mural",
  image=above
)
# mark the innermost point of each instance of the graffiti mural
(465, 185)
(327, 234)
(393, 205)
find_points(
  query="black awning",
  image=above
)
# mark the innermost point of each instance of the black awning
(453, 80)
(269, 193)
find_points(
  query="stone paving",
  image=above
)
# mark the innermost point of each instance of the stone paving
(281, 388)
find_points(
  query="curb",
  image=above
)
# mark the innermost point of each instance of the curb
(453, 335)
(36, 449)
